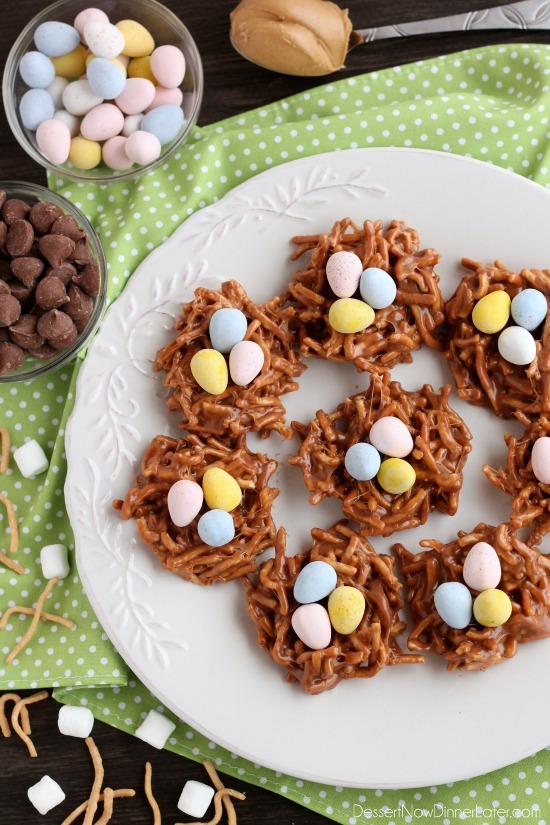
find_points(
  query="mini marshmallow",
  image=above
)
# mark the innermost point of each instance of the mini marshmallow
(155, 729)
(55, 561)
(195, 798)
(31, 459)
(45, 795)
(75, 721)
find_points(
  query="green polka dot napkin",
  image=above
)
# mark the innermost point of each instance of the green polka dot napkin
(492, 104)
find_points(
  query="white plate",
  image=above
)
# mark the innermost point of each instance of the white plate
(195, 647)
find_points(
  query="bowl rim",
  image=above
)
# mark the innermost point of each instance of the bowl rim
(8, 97)
(24, 189)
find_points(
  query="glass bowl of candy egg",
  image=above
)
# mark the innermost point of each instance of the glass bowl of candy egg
(104, 93)
(53, 284)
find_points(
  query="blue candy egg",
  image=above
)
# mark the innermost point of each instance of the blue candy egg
(216, 528)
(37, 70)
(54, 38)
(36, 105)
(362, 461)
(106, 79)
(529, 308)
(453, 602)
(315, 581)
(227, 326)
(377, 288)
(165, 122)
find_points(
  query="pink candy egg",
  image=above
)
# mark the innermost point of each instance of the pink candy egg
(54, 140)
(103, 122)
(391, 437)
(540, 459)
(168, 66)
(114, 154)
(343, 273)
(138, 94)
(164, 96)
(90, 15)
(184, 501)
(311, 624)
(246, 360)
(143, 147)
(482, 570)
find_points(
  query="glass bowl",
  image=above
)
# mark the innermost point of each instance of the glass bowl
(166, 29)
(32, 367)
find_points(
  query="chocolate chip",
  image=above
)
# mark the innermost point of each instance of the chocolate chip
(81, 254)
(43, 352)
(19, 239)
(66, 225)
(88, 279)
(54, 324)
(64, 341)
(3, 234)
(50, 293)
(4, 288)
(24, 334)
(10, 310)
(43, 215)
(80, 306)
(55, 248)
(66, 272)
(20, 291)
(14, 210)
(27, 270)
(11, 357)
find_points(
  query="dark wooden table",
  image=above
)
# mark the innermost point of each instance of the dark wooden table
(231, 86)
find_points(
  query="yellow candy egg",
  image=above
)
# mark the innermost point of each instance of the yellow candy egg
(491, 313)
(84, 154)
(346, 606)
(492, 608)
(137, 40)
(209, 370)
(141, 67)
(350, 315)
(396, 476)
(221, 491)
(72, 64)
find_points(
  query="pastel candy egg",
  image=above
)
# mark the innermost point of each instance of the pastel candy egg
(346, 607)
(491, 313)
(137, 95)
(209, 368)
(396, 476)
(168, 66)
(184, 501)
(132, 124)
(362, 461)
(529, 308)
(482, 570)
(492, 608)
(348, 315)
(84, 154)
(165, 97)
(138, 42)
(37, 70)
(221, 491)
(453, 602)
(106, 78)
(343, 272)
(54, 38)
(540, 459)
(246, 360)
(166, 122)
(56, 89)
(227, 327)
(72, 64)
(377, 288)
(517, 346)
(72, 122)
(54, 140)
(90, 15)
(103, 39)
(78, 97)
(103, 122)
(35, 106)
(141, 67)
(143, 147)
(315, 581)
(114, 154)
(216, 528)
(391, 437)
(311, 624)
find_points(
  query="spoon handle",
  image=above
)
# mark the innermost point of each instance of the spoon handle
(527, 14)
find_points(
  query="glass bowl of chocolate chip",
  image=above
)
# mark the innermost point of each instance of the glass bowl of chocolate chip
(53, 284)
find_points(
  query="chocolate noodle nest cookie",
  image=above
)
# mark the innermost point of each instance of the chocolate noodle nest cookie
(180, 549)
(525, 579)
(360, 654)
(441, 445)
(408, 322)
(256, 407)
(483, 377)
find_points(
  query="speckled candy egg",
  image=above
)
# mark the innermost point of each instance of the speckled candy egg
(517, 346)
(311, 624)
(390, 436)
(37, 70)
(56, 89)
(246, 360)
(54, 38)
(216, 528)
(453, 602)
(54, 140)
(346, 607)
(377, 287)
(315, 581)
(137, 95)
(168, 66)
(540, 459)
(227, 327)
(35, 106)
(103, 39)
(114, 154)
(184, 501)
(143, 147)
(529, 308)
(482, 569)
(107, 80)
(362, 461)
(166, 122)
(103, 122)
(91, 15)
(79, 98)
(343, 273)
